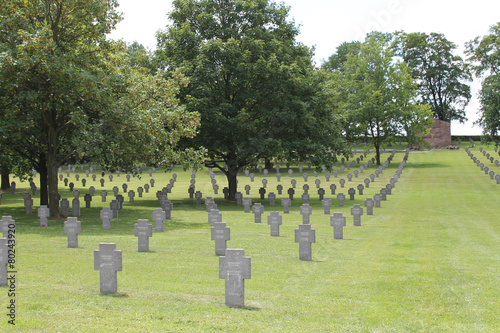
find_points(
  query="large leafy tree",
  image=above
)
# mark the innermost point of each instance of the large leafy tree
(484, 54)
(441, 75)
(256, 87)
(379, 96)
(336, 61)
(68, 93)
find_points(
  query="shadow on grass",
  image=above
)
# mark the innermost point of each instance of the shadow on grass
(115, 295)
(245, 308)
(426, 165)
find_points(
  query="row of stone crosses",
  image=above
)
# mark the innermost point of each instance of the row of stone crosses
(191, 190)
(167, 205)
(234, 267)
(64, 203)
(484, 167)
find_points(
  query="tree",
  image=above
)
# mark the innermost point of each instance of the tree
(140, 57)
(337, 60)
(255, 87)
(489, 96)
(68, 93)
(379, 95)
(484, 55)
(439, 73)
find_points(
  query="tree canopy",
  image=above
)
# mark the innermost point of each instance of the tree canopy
(69, 93)
(254, 85)
(484, 55)
(378, 96)
(441, 75)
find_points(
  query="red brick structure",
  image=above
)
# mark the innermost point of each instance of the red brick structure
(440, 134)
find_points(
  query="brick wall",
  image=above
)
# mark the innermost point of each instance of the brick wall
(440, 134)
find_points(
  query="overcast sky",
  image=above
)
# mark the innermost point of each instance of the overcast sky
(325, 24)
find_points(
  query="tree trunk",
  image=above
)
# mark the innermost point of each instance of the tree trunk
(377, 152)
(44, 191)
(5, 178)
(52, 181)
(232, 184)
(268, 165)
(231, 174)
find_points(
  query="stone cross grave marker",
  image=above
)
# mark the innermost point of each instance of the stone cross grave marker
(168, 207)
(321, 193)
(28, 203)
(356, 212)
(274, 219)
(333, 187)
(305, 211)
(247, 202)
(286, 203)
(341, 199)
(106, 215)
(351, 193)
(239, 197)
(88, 199)
(131, 196)
(214, 216)
(327, 203)
(234, 267)
(383, 193)
(291, 192)
(72, 227)
(258, 210)
(369, 203)
(220, 233)
(360, 189)
(108, 260)
(377, 198)
(262, 192)
(114, 205)
(4, 260)
(43, 214)
(65, 207)
(305, 198)
(104, 193)
(338, 221)
(143, 230)
(342, 182)
(304, 235)
(272, 198)
(75, 206)
(159, 217)
(294, 183)
(6, 224)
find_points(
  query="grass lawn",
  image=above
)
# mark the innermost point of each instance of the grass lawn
(428, 260)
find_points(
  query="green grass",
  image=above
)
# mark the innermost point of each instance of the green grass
(427, 261)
